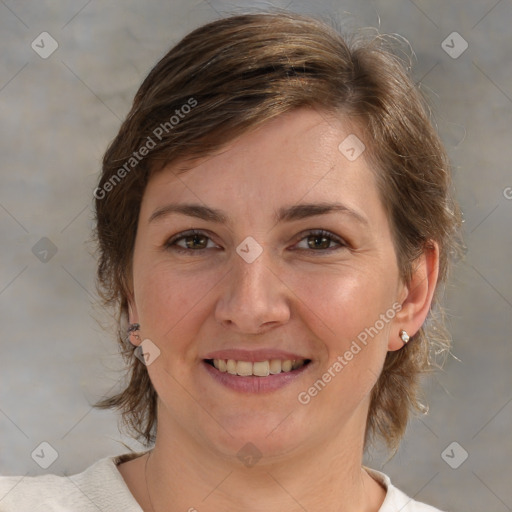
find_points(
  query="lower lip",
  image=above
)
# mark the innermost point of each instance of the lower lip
(254, 384)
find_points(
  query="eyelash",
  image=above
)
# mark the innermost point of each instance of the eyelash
(321, 233)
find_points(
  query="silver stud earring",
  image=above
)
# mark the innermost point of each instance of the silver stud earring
(404, 336)
(133, 335)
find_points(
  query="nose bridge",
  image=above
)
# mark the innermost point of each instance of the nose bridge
(253, 296)
(251, 280)
(250, 276)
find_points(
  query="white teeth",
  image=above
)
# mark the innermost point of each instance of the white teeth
(259, 368)
(244, 368)
(275, 366)
(286, 366)
(230, 366)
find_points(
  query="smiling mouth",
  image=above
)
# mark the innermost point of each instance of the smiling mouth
(258, 368)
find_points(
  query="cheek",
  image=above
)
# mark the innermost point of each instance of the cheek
(169, 300)
(343, 304)
(344, 314)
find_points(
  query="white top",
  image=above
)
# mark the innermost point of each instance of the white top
(102, 488)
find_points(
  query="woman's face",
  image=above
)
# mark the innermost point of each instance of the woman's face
(291, 258)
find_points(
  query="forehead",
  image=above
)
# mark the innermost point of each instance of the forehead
(302, 156)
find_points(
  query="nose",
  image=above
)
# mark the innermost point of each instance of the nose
(254, 299)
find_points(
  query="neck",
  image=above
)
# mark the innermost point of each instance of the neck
(183, 475)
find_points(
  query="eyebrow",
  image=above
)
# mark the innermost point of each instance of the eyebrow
(283, 214)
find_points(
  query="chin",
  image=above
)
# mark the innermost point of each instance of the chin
(268, 436)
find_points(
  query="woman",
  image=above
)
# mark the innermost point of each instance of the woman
(274, 219)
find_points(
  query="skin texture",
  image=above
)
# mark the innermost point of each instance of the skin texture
(302, 294)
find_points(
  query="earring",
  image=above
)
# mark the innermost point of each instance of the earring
(404, 336)
(133, 335)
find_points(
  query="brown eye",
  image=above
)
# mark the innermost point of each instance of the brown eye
(189, 242)
(195, 241)
(320, 240)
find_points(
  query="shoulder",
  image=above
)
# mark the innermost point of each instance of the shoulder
(99, 487)
(396, 499)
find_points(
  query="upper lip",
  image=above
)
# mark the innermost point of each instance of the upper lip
(262, 354)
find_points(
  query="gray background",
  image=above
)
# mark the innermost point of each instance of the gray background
(57, 117)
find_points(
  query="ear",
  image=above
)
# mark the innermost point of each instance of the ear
(127, 284)
(416, 297)
(133, 316)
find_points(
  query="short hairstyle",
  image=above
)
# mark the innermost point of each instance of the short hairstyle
(231, 76)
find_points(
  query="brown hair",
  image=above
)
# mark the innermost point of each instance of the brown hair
(234, 74)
